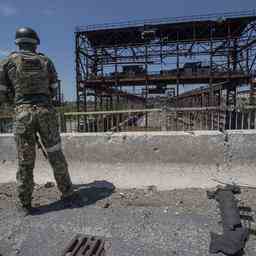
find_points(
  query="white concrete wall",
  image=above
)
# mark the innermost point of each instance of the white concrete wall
(167, 160)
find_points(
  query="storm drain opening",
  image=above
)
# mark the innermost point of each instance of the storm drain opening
(83, 245)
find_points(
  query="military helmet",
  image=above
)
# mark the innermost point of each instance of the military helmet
(26, 35)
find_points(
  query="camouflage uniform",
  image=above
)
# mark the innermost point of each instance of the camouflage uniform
(30, 78)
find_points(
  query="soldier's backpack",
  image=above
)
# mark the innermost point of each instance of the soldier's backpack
(31, 75)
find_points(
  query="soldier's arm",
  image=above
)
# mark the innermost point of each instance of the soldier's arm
(53, 78)
(6, 88)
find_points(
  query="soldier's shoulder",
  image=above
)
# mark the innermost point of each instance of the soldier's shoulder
(13, 55)
(7, 59)
(42, 55)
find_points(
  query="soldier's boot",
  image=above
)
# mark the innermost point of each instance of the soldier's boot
(25, 183)
(24, 209)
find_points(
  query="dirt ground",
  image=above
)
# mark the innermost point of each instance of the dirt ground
(104, 194)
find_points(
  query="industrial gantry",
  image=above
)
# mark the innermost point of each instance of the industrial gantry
(124, 64)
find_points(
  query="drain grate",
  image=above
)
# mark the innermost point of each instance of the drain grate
(85, 246)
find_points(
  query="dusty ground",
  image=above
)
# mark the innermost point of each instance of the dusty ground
(131, 218)
(104, 194)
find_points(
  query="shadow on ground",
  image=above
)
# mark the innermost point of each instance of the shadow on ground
(90, 194)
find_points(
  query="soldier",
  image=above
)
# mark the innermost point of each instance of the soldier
(30, 80)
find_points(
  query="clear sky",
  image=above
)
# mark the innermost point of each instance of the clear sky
(55, 21)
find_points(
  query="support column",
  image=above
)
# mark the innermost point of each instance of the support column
(178, 71)
(211, 92)
(116, 79)
(146, 93)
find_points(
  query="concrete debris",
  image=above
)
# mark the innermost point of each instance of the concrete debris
(122, 195)
(152, 188)
(49, 184)
(166, 210)
(106, 205)
(179, 203)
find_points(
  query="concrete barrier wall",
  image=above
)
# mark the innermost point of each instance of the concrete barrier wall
(167, 160)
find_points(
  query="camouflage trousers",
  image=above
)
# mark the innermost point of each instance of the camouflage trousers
(29, 121)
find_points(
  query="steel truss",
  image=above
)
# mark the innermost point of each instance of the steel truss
(224, 43)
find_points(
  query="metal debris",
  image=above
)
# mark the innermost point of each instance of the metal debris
(234, 236)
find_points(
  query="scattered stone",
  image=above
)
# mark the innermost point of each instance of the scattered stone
(135, 197)
(4, 194)
(106, 205)
(37, 187)
(8, 187)
(49, 184)
(122, 195)
(179, 202)
(17, 251)
(152, 188)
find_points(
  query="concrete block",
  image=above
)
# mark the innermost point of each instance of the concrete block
(168, 160)
(7, 148)
(242, 146)
(153, 147)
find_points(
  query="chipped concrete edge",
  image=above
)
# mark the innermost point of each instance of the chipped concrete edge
(168, 160)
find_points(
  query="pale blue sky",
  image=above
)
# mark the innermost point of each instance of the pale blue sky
(55, 21)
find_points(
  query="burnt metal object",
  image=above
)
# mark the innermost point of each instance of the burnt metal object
(234, 236)
(82, 245)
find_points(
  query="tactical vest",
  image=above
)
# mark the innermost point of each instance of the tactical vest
(30, 76)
